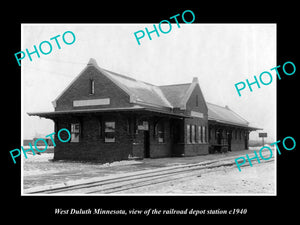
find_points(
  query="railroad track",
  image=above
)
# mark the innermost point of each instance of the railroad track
(137, 179)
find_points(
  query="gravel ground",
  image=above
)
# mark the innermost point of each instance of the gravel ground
(259, 179)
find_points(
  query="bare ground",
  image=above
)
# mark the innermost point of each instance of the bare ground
(40, 170)
(259, 179)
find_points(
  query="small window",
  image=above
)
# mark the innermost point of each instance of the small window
(92, 87)
(161, 132)
(75, 132)
(109, 132)
(188, 133)
(196, 100)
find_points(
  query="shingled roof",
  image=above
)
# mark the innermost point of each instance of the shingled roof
(175, 93)
(167, 96)
(224, 115)
(141, 91)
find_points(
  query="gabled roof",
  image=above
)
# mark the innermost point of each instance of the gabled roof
(139, 91)
(224, 115)
(164, 97)
(175, 93)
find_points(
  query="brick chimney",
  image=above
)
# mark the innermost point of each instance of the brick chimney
(92, 62)
(195, 80)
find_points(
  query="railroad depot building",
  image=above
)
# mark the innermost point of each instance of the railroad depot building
(114, 117)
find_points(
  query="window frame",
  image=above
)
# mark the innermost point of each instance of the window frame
(106, 139)
(203, 134)
(92, 86)
(193, 134)
(161, 132)
(188, 134)
(199, 135)
(75, 133)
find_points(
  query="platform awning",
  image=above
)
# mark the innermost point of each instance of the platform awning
(218, 123)
(55, 114)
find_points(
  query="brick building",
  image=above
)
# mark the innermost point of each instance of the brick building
(114, 117)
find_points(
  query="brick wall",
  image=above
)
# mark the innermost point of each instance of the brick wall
(156, 149)
(237, 143)
(196, 103)
(80, 90)
(91, 145)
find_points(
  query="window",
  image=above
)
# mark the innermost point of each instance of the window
(196, 100)
(188, 134)
(75, 132)
(109, 132)
(128, 127)
(92, 87)
(199, 134)
(193, 134)
(161, 132)
(203, 134)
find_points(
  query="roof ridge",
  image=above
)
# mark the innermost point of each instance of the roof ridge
(118, 74)
(217, 105)
(174, 84)
(227, 108)
(127, 77)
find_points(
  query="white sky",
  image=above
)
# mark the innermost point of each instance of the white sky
(220, 55)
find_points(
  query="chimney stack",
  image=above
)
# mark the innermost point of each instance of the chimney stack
(195, 80)
(92, 62)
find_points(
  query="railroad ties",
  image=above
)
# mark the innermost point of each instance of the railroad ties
(128, 181)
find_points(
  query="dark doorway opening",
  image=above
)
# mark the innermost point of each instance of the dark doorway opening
(246, 140)
(146, 144)
(229, 140)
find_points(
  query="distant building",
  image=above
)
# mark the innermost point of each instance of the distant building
(39, 143)
(114, 117)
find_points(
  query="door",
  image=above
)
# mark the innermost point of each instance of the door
(229, 136)
(246, 140)
(146, 144)
(219, 136)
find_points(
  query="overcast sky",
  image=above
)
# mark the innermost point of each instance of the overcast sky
(220, 55)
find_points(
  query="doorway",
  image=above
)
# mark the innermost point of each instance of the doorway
(146, 144)
(229, 137)
(246, 140)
